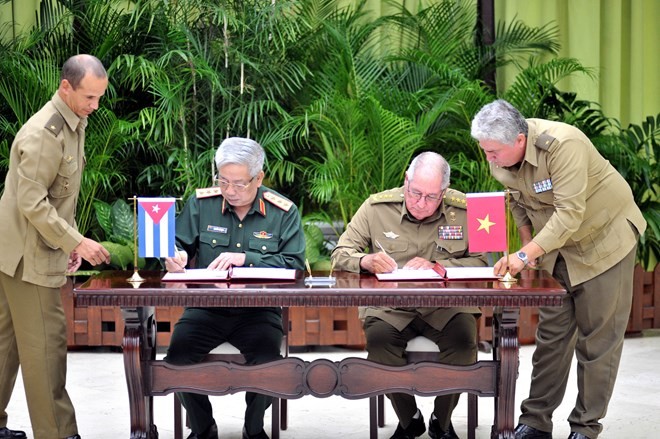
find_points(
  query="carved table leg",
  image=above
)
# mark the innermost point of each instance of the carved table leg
(139, 347)
(505, 350)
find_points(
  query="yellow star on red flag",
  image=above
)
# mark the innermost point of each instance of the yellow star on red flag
(485, 224)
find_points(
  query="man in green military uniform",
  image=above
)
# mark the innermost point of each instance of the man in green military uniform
(39, 243)
(237, 223)
(415, 226)
(586, 226)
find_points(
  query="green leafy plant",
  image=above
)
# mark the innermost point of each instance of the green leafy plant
(118, 222)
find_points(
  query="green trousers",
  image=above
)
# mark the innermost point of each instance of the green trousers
(458, 346)
(590, 324)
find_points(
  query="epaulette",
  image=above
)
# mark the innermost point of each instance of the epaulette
(208, 192)
(280, 202)
(455, 198)
(389, 196)
(544, 141)
(55, 124)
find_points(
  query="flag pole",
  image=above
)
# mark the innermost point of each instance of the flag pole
(507, 277)
(135, 279)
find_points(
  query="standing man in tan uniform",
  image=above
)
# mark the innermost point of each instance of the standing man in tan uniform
(578, 220)
(39, 244)
(418, 224)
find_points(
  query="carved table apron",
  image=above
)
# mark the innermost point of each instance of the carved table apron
(292, 377)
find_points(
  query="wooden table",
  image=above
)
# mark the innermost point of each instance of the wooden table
(291, 377)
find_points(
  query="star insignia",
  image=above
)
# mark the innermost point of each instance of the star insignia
(485, 224)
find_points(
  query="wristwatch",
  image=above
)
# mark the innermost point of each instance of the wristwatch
(523, 257)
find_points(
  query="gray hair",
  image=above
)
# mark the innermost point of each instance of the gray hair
(499, 121)
(240, 151)
(76, 67)
(433, 162)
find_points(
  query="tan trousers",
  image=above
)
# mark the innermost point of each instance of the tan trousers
(591, 323)
(33, 333)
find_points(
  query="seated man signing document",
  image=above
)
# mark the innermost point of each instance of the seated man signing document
(413, 227)
(237, 223)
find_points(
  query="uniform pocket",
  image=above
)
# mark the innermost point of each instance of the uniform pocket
(214, 239)
(67, 181)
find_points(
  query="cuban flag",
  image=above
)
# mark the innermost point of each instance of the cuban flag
(156, 227)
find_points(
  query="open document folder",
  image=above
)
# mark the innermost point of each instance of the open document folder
(204, 274)
(440, 273)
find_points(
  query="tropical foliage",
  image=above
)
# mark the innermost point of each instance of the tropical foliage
(340, 101)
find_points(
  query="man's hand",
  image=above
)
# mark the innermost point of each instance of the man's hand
(418, 263)
(378, 263)
(177, 264)
(92, 251)
(226, 260)
(74, 262)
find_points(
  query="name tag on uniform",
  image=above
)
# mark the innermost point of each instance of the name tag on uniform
(543, 185)
(450, 232)
(216, 229)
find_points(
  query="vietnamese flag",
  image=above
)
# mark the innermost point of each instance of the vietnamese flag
(155, 227)
(486, 222)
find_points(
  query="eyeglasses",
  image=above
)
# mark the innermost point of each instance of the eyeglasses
(416, 196)
(238, 187)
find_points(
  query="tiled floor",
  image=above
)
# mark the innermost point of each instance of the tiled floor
(97, 387)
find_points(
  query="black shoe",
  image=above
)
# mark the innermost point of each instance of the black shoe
(209, 433)
(261, 435)
(6, 433)
(75, 436)
(416, 428)
(435, 432)
(523, 431)
(576, 435)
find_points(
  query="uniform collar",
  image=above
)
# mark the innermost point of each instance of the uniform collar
(258, 205)
(71, 118)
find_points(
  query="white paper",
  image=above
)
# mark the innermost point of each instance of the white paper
(453, 273)
(196, 274)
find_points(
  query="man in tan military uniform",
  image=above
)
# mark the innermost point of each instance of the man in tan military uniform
(418, 224)
(586, 226)
(39, 244)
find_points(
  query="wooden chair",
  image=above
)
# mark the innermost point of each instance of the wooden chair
(228, 352)
(417, 350)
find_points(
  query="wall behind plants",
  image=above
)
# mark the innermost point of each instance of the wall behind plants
(617, 38)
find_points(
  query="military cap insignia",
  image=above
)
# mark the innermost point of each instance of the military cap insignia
(278, 201)
(55, 124)
(208, 192)
(450, 232)
(390, 235)
(544, 141)
(262, 235)
(455, 198)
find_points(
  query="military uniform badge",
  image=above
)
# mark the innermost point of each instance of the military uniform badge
(542, 186)
(450, 232)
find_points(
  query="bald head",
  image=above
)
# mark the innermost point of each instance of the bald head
(76, 67)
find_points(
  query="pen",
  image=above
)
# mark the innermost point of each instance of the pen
(332, 268)
(309, 269)
(178, 253)
(381, 247)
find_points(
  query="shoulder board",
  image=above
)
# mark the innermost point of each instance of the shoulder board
(55, 124)
(544, 141)
(455, 198)
(280, 202)
(208, 192)
(390, 196)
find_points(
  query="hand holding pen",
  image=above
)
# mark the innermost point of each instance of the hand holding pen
(378, 262)
(177, 264)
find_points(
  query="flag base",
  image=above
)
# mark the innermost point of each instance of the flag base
(508, 278)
